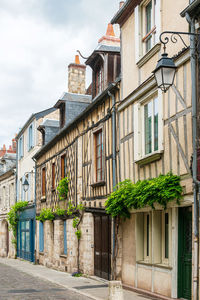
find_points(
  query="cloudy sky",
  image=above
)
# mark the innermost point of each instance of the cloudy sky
(38, 39)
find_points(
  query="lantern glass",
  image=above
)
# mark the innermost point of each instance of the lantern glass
(25, 185)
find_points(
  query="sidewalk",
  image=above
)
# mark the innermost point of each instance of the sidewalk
(94, 288)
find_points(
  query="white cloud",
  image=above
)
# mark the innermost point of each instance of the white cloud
(39, 38)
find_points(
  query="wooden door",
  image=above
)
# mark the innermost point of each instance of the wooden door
(102, 246)
(185, 253)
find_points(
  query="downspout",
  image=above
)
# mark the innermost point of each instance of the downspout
(35, 210)
(114, 171)
(196, 183)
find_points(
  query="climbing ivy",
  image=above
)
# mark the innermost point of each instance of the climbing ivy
(13, 218)
(63, 188)
(127, 195)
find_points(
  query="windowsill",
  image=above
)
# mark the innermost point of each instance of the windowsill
(63, 255)
(30, 148)
(99, 183)
(148, 55)
(43, 199)
(149, 158)
(41, 253)
(163, 266)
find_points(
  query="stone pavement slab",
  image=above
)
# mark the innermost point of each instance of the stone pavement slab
(92, 288)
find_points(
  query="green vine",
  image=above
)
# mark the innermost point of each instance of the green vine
(46, 214)
(76, 219)
(127, 195)
(63, 188)
(59, 211)
(13, 218)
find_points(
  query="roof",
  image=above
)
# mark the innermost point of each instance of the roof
(100, 49)
(73, 98)
(98, 99)
(34, 116)
(125, 11)
(193, 9)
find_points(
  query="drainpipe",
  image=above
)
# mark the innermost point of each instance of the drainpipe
(35, 211)
(113, 166)
(196, 183)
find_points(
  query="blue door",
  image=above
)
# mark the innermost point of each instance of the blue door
(25, 243)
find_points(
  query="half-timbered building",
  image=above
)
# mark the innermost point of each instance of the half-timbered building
(83, 151)
(155, 137)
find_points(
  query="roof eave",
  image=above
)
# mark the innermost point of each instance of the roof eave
(125, 11)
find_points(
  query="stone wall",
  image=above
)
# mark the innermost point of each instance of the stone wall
(53, 255)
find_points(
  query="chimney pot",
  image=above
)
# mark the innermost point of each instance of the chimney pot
(110, 30)
(121, 3)
(77, 60)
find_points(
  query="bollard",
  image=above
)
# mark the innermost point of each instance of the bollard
(115, 290)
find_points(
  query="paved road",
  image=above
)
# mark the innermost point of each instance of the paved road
(16, 285)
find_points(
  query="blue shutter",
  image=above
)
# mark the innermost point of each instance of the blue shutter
(33, 134)
(29, 189)
(41, 237)
(65, 238)
(22, 147)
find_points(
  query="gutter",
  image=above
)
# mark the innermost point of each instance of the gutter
(191, 9)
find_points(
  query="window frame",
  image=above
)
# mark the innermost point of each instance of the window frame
(43, 182)
(63, 166)
(53, 185)
(143, 33)
(94, 157)
(21, 147)
(30, 137)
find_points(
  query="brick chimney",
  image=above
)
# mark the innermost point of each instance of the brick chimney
(109, 39)
(76, 77)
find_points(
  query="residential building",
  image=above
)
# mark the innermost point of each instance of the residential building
(7, 199)
(83, 151)
(155, 137)
(29, 141)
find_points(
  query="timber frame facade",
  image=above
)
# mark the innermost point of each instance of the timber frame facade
(153, 136)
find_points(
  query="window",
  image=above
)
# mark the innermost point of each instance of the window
(153, 234)
(151, 126)
(147, 26)
(63, 166)
(99, 80)
(62, 115)
(99, 156)
(65, 237)
(53, 177)
(148, 125)
(41, 237)
(21, 147)
(30, 137)
(43, 182)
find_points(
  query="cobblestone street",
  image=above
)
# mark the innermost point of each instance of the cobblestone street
(17, 285)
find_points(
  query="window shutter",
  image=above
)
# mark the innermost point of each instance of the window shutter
(29, 189)
(65, 237)
(43, 182)
(33, 134)
(137, 36)
(22, 148)
(157, 20)
(41, 237)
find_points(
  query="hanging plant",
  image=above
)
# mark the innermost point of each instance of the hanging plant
(13, 218)
(46, 214)
(127, 195)
(63, 188)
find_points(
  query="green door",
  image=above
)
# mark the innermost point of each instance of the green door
(185, 253)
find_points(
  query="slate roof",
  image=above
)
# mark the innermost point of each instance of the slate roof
(50, 123)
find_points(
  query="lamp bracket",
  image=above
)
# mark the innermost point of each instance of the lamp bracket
(174, 35)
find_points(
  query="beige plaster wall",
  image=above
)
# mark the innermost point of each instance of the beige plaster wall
(128, 251)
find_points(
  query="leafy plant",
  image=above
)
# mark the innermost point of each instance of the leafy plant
(60, 212)
(77, 274)
(13, 218)
(63, 188)
(45, 214)
(127, 195)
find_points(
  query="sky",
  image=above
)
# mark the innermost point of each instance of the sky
(38, 39)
